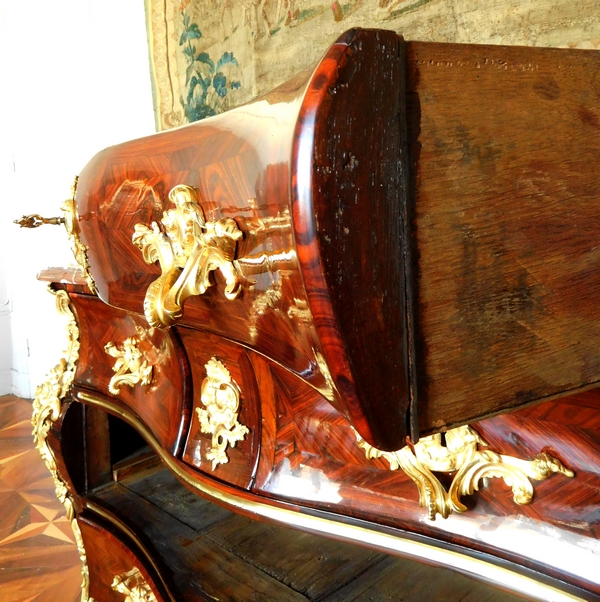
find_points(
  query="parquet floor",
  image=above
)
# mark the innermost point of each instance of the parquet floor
(38, 557)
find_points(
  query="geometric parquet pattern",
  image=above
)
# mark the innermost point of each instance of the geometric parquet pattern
(38, 557)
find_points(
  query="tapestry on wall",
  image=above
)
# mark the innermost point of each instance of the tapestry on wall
(210, 55)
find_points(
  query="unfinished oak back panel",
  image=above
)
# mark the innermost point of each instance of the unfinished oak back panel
(505, 142)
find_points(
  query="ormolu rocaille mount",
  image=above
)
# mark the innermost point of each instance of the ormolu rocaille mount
(188, 249)
(385, 265)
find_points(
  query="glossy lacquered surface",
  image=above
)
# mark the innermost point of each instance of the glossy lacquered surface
(302, 454)
(165, 403)
(266, 165)
(316, 472)
(109, 557)
(315, 458)
(242, 457)
(350, 192)
(482, 258)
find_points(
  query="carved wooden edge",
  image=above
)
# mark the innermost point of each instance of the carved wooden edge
(376, 398)
(46, 410)
(460, 455)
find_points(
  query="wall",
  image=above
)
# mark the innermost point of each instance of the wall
(75, 80)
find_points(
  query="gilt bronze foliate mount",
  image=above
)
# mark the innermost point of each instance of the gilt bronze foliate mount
(131, 366)
(220, 396)
(188, 249)
(133, 586)
(47, 406)
(461, 455)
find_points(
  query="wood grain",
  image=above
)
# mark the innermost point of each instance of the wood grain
(504, 144)
(484, 217)
(38, 554)
(350, 183)
(315, 458)
(165, 404)
(199, 568)
(269, 562)
(315, 466)
(460, 263)
(108, 555)
(242, 459)
(254, 164)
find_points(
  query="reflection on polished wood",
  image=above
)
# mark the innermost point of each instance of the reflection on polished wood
(460, 455)
(165, 403)
(231, 557)
(419, 252)
(38, 555)
(254, 165)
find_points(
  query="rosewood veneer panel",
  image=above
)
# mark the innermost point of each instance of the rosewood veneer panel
(164, 404)
(315, 458)
(240, 468)
(270, 166)
(107, 557)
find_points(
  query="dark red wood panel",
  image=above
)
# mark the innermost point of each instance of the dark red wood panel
(108, 557)
(164, 404)
(242, 458)
(254, 165)
(315, 458)
(350, 190)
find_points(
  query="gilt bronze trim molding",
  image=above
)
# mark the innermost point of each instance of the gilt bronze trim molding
(46, 410)
(130, 368)
(220, 396)
(188, 248)
(461, 455)
(133, 585)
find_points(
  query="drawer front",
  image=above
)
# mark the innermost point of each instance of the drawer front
(143, 368)
(116, 569)
(224, 434)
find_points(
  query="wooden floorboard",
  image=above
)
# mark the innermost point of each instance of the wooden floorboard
(314, 568)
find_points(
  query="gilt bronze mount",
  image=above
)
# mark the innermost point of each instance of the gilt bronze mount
(460, 455)
(188, 248)
(130, 368)
(133, 585)
(220, 396)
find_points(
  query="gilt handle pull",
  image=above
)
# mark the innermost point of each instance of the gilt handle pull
(35, 221)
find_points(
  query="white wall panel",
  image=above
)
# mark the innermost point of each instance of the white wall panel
(78, 81)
